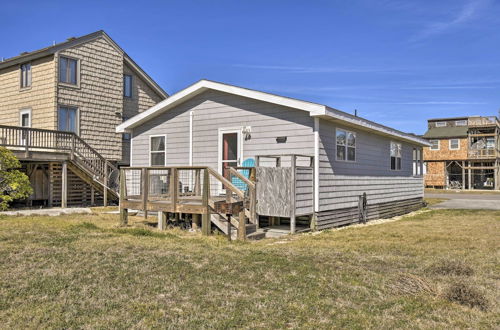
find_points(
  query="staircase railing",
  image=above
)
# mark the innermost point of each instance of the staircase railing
(30, 139)
(197, 190)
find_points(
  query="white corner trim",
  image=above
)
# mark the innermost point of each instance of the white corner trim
(191, 114)
(316, 164)
(131, 149)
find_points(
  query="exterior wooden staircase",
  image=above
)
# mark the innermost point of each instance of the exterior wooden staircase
(34, 144)
(195, 190)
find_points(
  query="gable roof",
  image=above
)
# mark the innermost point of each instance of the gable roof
(71, 42)
(314, 109)
(446, 132)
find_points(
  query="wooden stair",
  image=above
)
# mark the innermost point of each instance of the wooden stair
(82, 159)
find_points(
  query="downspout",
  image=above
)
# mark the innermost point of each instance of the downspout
(316, 164)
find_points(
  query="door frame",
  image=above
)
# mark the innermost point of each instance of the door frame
(221, 132)
(22, 138)
(21, 113)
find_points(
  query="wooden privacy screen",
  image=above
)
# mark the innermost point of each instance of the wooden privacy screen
(274, 191)
(278, 189)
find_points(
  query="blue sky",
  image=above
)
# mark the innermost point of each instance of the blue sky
(397, 62)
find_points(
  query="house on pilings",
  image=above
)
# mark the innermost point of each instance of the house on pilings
(60, 106)
(277, 160)
(464, 153)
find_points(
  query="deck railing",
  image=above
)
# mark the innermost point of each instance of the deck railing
(483, 121)
(483, 153)
(30, 139)
(197, 190)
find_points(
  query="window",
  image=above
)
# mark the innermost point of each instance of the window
(125, 136)
(127, 85)
(454, 144)
(67, 119)
(25, 75)
(395, 156)
(461, 123)
(157, 150)
(68, 70)
(25, 118)
(441, 124)
(417, 161)
(346, 145)
(434, 144)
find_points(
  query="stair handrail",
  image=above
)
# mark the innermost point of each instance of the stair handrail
(59, 140)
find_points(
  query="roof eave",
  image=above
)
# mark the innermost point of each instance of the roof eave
(337, 115)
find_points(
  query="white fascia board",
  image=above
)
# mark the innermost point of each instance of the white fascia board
(203, 85)
(372, 126)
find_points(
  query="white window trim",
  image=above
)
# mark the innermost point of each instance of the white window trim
(78, 75)
(401, 156)
(21, 76)
(439, 145)
(149, 149)
(355, 146)
(449, 144)
(21, 113)
(460, 121)
(441, 124)
(77, 124)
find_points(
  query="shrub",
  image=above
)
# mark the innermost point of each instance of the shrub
(451, 267)
(14, 184)
(467, 295)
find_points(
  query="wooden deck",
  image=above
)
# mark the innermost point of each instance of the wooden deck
(195, 190)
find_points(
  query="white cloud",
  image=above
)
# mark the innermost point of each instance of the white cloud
(467, 13)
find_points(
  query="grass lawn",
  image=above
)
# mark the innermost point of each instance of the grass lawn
(459, 191)
(436, 269)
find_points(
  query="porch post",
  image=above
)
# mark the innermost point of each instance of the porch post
(205, 219)
(292, 194)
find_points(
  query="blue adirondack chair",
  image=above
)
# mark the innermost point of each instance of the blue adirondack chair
(238, 183)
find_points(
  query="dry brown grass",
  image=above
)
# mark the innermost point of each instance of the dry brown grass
(82, 271)
(466, 294)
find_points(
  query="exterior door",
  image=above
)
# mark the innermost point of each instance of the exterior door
(229, 150)
(24, 121)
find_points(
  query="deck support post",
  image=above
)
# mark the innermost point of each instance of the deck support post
(196, 221)
(292, 194)
(145, 182)
(463, 174)
(229, 234)
(105, 181)
(92, 196)
(470, 176)
(205, 219)
(123, 194)
(64, 185)
(162, 220)
(242, 226)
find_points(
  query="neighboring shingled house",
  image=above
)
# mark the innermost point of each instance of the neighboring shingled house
(85, 86)
(464, 153)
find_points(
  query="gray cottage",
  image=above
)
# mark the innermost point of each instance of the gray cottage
(345, 168)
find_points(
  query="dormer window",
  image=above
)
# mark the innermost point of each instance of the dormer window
(68, 70)
(25, 75)
(440, 124)
(461, 123)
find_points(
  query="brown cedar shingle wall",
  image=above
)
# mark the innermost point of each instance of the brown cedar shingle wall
(435, 174)
(99, 97)
(40, 97)
(444, 152)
